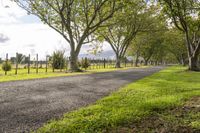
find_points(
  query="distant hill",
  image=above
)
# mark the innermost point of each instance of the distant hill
(105, 54)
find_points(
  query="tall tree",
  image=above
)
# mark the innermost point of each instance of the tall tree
(185, 15)
(126, 24)
(134, 49)
(75, 20)
(175, 44)
(148, 42)
(151, 46)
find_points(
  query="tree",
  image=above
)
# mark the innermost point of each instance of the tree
(75, 20)
(148, 44)
(175, 44)
(185, 15)
(134, 50)
(151, 44)
(124, 27)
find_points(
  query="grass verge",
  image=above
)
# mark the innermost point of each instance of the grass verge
(24, 76)
(161, 91)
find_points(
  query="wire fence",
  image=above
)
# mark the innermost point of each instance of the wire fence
(31, 65)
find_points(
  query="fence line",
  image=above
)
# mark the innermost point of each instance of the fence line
(31, 65)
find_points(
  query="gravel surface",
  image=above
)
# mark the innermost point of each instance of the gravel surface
(27, 105)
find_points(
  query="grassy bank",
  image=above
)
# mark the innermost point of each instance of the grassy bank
(161, 91)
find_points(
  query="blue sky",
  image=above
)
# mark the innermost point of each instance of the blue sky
(25, 34)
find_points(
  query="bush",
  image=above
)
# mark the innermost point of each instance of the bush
(25, 67)
(6, 66)
(58, 60)
(85, 63)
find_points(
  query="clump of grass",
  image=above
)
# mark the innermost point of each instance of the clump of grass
(158, 92)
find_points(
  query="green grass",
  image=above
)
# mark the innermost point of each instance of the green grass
(168, 88)
(22, 73)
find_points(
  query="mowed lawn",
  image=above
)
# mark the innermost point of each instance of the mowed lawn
(166, 89)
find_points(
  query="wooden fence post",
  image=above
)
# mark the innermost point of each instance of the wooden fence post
(53, 64)
(132, 63)
(104, 62)
(6, 63)
(16, 69)
(93, 63)
(29, 59)
(36, 63)
(46, 64)
(61, 66)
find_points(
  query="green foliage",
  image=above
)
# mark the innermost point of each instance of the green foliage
(85, 63)
(185, 15)
(124, 26)
(58, 59)
(20, 58)
(149, 45)
(160, 91)
(75, 20)
(6, 66)
(175, 43)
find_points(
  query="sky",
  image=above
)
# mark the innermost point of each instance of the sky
(23, 33)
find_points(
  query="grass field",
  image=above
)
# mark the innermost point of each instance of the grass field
(22, 73)
(167, 89)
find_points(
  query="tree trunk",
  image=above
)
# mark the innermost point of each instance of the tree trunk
(146, 62)
(118, 63)
(192, 54)
(183, 62)
(136, 60)
(73, 62)
(193, 64)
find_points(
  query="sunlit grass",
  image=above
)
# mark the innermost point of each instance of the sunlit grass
(23, 73)
(168, 88)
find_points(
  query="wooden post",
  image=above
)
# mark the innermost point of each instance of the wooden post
(29, 59)
(104, 63)
(16, 63)
(93, 63)
(67, 63)
(132, 63)
(6, 63)
(98, 63)
(61, 66)
(85, 61)
(89, 60)
(53, 64)
(46, 64)
(36, 63)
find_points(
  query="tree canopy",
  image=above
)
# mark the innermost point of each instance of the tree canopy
(152, 30)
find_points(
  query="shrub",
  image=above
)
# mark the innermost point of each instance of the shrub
(6, 66)
(85, 63)
(58, 59)
(25, 67)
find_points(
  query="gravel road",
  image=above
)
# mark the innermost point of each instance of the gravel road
(27, 105)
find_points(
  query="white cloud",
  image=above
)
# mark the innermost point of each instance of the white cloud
(28, 37)
(25, 37)
(10, 12)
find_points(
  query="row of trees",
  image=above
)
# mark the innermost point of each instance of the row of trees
(159, 47)
(154, 30)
